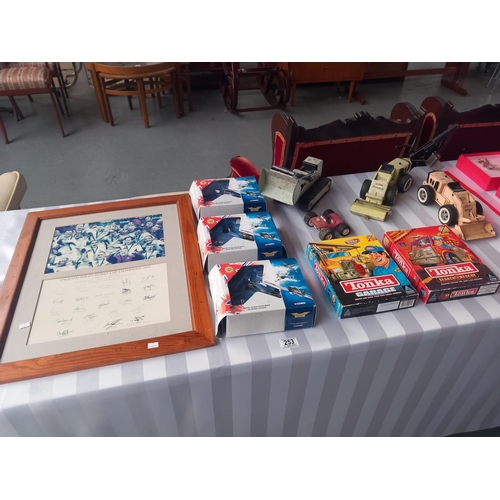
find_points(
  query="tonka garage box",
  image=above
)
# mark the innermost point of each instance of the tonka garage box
(238, 238)
(260, 297)
(483, 169)
(439, 264)
(359, 277)
(226, 196)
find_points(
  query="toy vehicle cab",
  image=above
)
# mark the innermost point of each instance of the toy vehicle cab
(328, 224)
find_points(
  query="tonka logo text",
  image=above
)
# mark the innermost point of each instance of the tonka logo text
(320, 274)
(401, 263)
(451, 270)
(369, 283)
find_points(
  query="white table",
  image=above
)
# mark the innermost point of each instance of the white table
(430, 370)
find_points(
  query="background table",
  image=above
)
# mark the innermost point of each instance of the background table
(430, 370)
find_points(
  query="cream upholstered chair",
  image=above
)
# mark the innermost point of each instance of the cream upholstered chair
(12, 189)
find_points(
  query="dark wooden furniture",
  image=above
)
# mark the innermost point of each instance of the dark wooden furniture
(358, 144)
(403, 111)
(317, 72)
(137, 80)
(354, 72)
(185, 79)
(271, 79)
(479, 130)
(455, 70)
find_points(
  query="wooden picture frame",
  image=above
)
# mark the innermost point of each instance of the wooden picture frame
(190, 278)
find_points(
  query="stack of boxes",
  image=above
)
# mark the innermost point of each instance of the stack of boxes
(254, 287)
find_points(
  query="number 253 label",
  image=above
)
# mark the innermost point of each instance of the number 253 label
(289, 343)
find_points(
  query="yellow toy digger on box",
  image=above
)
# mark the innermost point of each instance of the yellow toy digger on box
(378, 195)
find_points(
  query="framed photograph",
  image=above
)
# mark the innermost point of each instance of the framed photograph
(100, 284)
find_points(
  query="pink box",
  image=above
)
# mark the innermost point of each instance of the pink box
(482, 168)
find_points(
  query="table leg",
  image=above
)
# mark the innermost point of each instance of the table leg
(98, 94)
(354, 94)
(453, 83)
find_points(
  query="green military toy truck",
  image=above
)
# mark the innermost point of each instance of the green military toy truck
(378, 195)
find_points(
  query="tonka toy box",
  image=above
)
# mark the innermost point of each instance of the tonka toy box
(260, 297)
(238, 238)
(439, 264)
(226, 196)
(359, 277)
(483, 169)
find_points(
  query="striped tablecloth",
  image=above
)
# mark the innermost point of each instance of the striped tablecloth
(430, 370)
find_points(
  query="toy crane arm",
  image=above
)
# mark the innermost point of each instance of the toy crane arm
(421, 156)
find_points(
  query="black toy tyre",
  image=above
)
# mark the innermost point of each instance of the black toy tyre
(448, 214)
(451, 258)
(308, 217)
(426, 195)
(326, 234)
(404, 183)
(326, 213)
(343, 229)
(365, 187)
(479, 208)
(390, 197)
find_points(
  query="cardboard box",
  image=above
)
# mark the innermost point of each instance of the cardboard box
(260, 297)
(234, 195)
(359, 277)
(483, 169)
(439, 264)
(238, 238)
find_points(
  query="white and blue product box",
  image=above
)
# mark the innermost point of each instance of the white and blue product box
(260, 297)
(238, 238)
(233, 195)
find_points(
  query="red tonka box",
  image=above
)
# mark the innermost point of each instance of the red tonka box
(483, 169)
(438, 264)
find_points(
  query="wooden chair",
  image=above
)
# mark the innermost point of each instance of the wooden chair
(55, 73)
(29, 80)
(139, 81)
(359, 144)
(479, 128)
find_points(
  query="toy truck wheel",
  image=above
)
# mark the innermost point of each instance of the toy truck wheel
(308, 217)
(326, 213)
(365, 187)
(448, 214)
(404, 183)
(326, 234)
(426, 195)
(390, 197)
(343, 229)
(451, 258)
(479, 208)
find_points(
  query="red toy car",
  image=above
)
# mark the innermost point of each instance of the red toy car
(328, 224)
